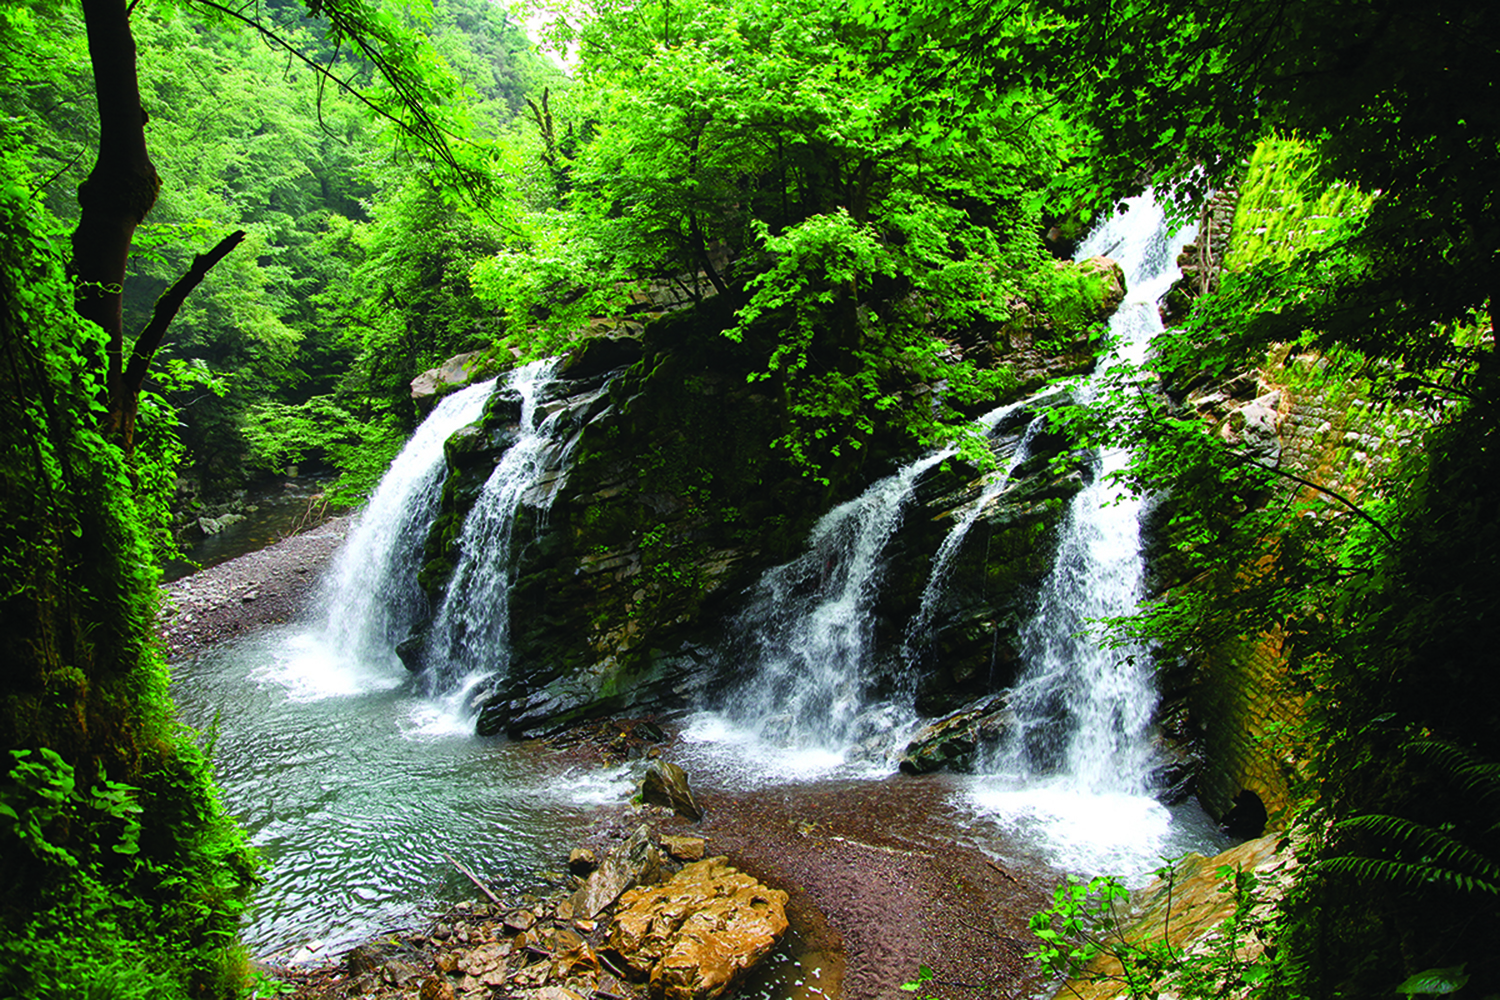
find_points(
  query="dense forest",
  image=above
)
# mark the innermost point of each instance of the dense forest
(233, 234)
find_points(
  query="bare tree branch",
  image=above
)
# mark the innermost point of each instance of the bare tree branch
(167, 306)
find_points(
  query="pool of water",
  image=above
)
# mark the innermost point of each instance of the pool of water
(353, 788)
(356, 789)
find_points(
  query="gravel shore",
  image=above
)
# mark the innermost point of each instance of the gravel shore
(272, 585)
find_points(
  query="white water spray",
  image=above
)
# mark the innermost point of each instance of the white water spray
(470, 635)
(808, 632)
(373, 598)
(1076, 767)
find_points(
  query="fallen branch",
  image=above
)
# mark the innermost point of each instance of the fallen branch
(605, 961)
(474, 878)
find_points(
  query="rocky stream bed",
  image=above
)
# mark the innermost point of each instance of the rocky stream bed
(877, 877)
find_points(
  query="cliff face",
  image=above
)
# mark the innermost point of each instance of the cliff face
(672, 503)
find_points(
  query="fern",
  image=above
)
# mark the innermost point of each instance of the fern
(1472, 775)
(1425, 857)
(1433, 846)
(1407, 874)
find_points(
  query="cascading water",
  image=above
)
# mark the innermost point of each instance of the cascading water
(1076, 765)
(352, 783)
(809, 627)
(807, 637)
(469, 636)
(917, 631)
(373, 598)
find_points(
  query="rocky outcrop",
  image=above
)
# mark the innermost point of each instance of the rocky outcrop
(1111, 278)
(666, 784)
(700, 931)
(669, 502)
(452, 374)
(951, 743)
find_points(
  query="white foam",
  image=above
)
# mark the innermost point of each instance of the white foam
(308, 670)
(1078, 830)
(581, 787)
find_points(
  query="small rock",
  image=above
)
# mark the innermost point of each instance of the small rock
(581, 861)
(666, 784)
(436, 988)
(635, 862)
(556, 993)
(518, 921)
(398, 973)
(650, 732)
(684, 848)
(365, 958)
(442, 932)
(252, 595)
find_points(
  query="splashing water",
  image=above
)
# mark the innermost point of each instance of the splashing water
(470, 635)
(373, 598)
(1075, 770)
(808, 630)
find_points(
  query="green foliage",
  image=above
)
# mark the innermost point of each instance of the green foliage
(1435, 982)
(754, 150)
(1086, 935)
(279, 435)
(1285, 204)
(123, 875)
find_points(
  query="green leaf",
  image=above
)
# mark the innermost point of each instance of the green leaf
(1434, 982)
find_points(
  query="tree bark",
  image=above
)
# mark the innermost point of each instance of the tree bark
(118, 193)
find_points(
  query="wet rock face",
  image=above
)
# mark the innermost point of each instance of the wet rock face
(666, 784)
(699, 932)
(675, 504)
(635, 862)
(967, 643)
(952, 742)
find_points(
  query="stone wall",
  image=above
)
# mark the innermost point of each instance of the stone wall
(1328, 431)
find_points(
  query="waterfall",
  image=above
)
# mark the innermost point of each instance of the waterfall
(373, 598)
(919, 629)
(1083, 713)
(469, 635)
(1073, 773)
(808, 629)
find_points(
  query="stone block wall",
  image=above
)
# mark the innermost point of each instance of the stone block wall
(1332, 434)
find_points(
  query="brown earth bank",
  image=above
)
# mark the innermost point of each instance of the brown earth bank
(881, 877)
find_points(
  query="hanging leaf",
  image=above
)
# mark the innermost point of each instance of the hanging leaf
(1434, 982)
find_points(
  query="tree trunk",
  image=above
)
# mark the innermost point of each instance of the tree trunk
(118, 193)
